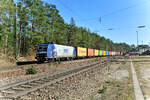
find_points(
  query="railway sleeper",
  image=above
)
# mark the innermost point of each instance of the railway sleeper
(33, 84)
(40, 82)
(7, 92)
(25, 86)
(43, 80)
(18, 89)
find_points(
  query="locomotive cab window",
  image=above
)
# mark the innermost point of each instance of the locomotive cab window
(42, 48)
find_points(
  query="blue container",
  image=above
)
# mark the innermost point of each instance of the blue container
(117, 53)
(107, 53)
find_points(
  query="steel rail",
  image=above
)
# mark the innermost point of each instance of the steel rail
(16, 90)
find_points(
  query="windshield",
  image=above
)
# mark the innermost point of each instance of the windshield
(42, 48)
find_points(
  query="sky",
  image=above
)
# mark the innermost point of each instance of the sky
(121, 16)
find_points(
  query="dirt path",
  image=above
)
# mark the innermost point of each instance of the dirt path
(118, 85)
(143, 73)
(137, 89)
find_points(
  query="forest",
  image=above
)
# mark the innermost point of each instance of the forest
(27, 23)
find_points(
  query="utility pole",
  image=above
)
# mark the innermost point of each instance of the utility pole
(137, 39)
(142, 43)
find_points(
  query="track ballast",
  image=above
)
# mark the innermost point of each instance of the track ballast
(15, 90)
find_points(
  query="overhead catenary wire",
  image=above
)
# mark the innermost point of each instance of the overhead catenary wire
(100, 17)
(65, 6)
(117, 11)
(72, 11)
(96, 18)
(107, 14)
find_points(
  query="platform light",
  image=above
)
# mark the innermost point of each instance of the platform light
(142, 26)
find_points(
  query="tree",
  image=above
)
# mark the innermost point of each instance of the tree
(27, 23)
(7, 12)
(71, 33)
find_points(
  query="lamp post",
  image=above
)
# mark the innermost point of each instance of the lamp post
(137, 39)
(142, 26)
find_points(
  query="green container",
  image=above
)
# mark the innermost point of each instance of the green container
(100, 52)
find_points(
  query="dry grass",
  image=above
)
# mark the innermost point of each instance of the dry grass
(119, 89)
(143, 74)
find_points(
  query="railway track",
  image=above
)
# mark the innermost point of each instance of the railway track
(15, 90)
(47, 62)
(21, 69)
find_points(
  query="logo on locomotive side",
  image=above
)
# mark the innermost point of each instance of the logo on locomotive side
(65, 50)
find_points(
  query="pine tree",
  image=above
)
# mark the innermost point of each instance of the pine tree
(71, 33)
(27, 23)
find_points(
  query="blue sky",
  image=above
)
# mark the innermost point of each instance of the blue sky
(123, 16)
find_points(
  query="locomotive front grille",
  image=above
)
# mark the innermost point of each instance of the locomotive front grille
(42, 55)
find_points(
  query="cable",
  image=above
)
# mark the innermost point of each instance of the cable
(107, 14)
(86, 20)
(117, 11)
(68, 8)
(96, 18)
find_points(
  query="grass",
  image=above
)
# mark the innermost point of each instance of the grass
(22, 67)
(138, 67)
(31, 70)
(103, 90)
(107, 82)
(117, 90)
(59, 62)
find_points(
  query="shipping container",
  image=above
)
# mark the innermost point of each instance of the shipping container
(96, 52)
(107, 53)
(119, 53)
(81, 52)
(90, 52)
(116, 53)
(100, 52)
(104, 53)
(112, 53)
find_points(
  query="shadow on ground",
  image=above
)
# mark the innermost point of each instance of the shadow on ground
(27, 62)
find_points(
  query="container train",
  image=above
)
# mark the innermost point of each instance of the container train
(46, 52)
